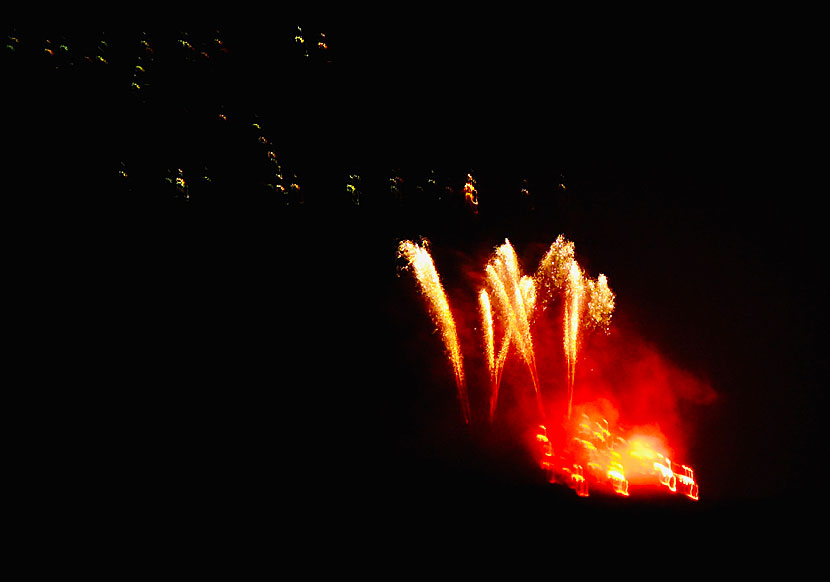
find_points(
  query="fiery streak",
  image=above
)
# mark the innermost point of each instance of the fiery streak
(487, 321)
(487, 327)
(424, 269)
(573, 306)
(528, 287)
(511, 292)
(495, 365)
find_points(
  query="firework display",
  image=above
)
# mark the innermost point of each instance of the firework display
(327, 254)
(590, 452)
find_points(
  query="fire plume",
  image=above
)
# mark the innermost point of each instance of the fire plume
(423, 267)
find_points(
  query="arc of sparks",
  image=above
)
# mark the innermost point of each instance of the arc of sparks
(514, 297)
(423, 267)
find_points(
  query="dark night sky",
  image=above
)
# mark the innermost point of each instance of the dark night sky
(688, 179)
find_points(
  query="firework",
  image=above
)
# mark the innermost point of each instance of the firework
(588, 303)
(514, 295)
(553, 271)
(487, 328)
(423, 267)
(600, 303)
(573, 306)
(528, 288)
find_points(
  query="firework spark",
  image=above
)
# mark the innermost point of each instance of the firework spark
(573, 306)
(489, 347)
(600, 303)
(515, 296)
(423, 267)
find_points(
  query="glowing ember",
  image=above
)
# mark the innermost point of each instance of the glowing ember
(424, 269)
(487, 322)
(471, 194)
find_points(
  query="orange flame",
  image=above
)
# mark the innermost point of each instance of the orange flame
(424, 269)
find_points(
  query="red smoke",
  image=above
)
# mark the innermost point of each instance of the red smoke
(627, 381)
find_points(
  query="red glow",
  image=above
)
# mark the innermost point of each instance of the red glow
(596, 455)
(610, 379)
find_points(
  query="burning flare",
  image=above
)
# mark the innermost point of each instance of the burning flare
(423, 267)
(588, 304)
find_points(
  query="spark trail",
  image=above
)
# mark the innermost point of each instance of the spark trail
(588, 303)
(573, 305)
(515, 297)
(489, 348)
(423, 268)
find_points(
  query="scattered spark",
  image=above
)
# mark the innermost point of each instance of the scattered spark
(471, 194)
(487, 328)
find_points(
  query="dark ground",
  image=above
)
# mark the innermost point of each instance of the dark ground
(229, 359)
